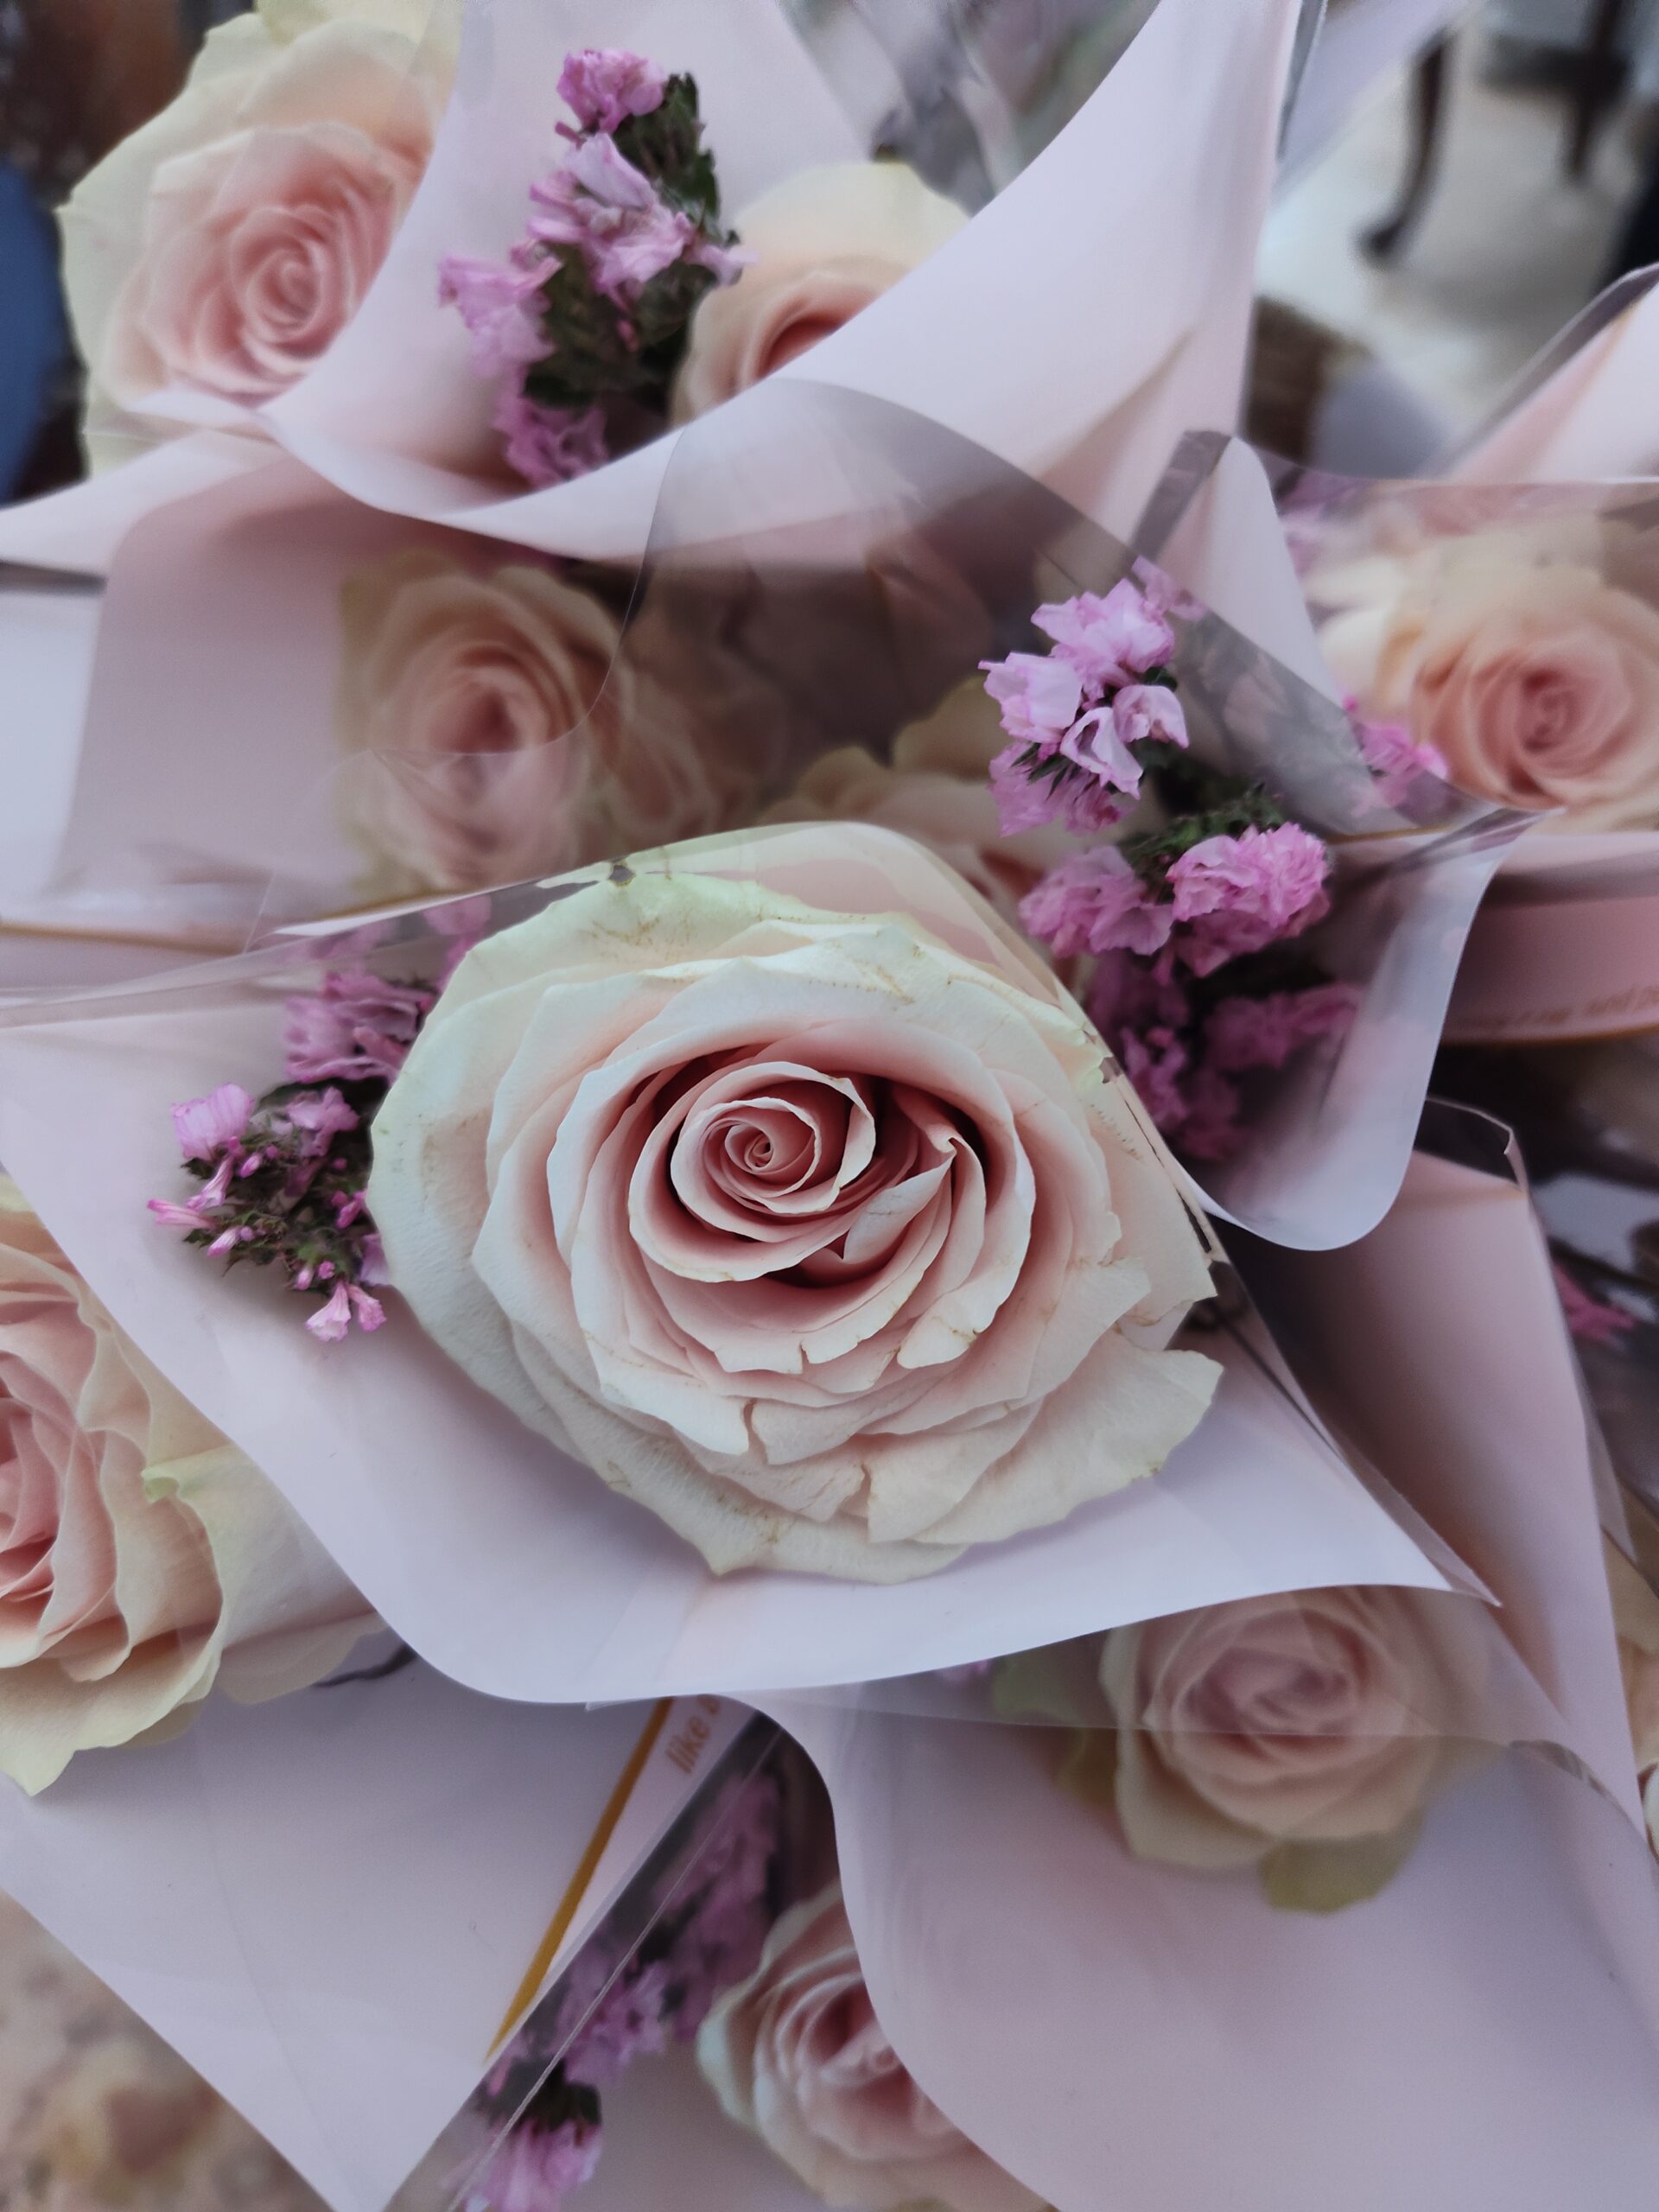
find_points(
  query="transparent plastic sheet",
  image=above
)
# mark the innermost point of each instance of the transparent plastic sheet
(339, 1906)
(1583, 1112)
(1582, 407)
(1358, 564)
(825, 570)
(571, 1592)
(1373, 1847)
(1098, 1949)
(966, 93)
(1182, 127)
(402, 444)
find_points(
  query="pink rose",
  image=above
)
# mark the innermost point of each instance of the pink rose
(1320, 1716)
(776, 1180)
(225, 245)
(935, 789)
(1534, 679)
(796, 2054)
(493, 732)
(821, 246)
(142, 1557)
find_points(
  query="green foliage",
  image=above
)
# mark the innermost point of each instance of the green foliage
(1327, 1877)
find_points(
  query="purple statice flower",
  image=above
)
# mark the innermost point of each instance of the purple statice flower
(1234, 895)
(501, 309)
(209, 1127)
(549, 445)
(1094, 902)
(353, 1025)
(1095, 743)
(1110, 640)
(630, 2021)
(1164, 596)
(1265, 1033)
(321, 1115)
(171, 1215)
(724, 1934)
(1155, 1061)
(1040, 697)
(348, 1304)
(535, 2169)
(598, 202)
(1148, 710)
(1022, 801)
(1210, 1127)
(1395, 758)
(603, 86)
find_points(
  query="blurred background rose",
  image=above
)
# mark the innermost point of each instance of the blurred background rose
(96, 2111)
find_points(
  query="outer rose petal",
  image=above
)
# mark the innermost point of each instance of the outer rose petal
(824, 244)
(169, 1561)
(797, 2054)
(945, 1364)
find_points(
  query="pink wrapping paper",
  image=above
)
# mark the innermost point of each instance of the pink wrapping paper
(1169, 2025)
(530, 1578)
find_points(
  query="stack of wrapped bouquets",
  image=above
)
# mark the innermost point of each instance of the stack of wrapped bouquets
(828, 1334)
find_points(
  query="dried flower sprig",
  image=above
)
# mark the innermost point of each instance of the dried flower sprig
(607, 2015)
(1185, 920)
(587, 320)
(283, 1176)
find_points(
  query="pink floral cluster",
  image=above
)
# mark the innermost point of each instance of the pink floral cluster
(1225, 878)
(1185, 1061)
(602, 214)
(1397, 760)
(1074, 713)
(606, 2016)
(284, 1177)
(1222, 898)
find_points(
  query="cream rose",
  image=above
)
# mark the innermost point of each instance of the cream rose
(141, 1555)
(1535, 677)
(493, 732)
(797, 2054)
(1321, 1716)
(822, 246)
(225, 245)
(937, 790)
(779, 1182)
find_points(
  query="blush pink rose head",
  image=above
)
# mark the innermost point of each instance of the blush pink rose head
(1318, 1716)
(797, 2054)
(935, 789)
(224, 247)
(821, 246)
(777, 1181)
(137, 1548)
(1534, 679)
(494, 731)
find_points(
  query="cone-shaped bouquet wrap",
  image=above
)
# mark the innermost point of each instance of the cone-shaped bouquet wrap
(477, 141)
(763, 1207)
(444, 1950)
(1502, 626)
(1147, 1901)
(836, 600)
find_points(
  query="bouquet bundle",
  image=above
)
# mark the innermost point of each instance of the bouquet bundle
(759, 1447)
